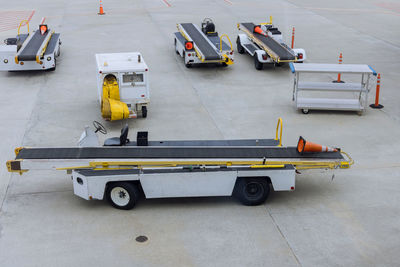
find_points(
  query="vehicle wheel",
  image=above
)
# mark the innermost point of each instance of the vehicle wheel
(176, 48)
(122, 195)
(305, 111)
(224, 64)
(240, 48)
(257, 64)
(251, 191)
(144, 111)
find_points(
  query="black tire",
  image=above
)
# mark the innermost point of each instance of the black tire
(239, 46)
(251, 191)
(144, 111)
(128, 190)
(176, 49)
(224, 64)
(257, 64)
(305, 111)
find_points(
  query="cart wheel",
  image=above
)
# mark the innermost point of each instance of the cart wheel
(251, 191)
(122, 195)
(176, 48)
(305, 111)
(240, 48)
(144, 111)
(257, 64)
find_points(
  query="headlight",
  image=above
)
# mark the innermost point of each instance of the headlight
(5, 61)
(48, 58)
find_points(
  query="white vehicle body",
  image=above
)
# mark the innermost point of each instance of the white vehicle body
(131, 73)
(178, 182)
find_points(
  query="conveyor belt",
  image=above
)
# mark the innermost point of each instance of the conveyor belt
(192, 143)
(277, 48)
(169, 153)
(52, 44)
(29, 52)
(201, 42)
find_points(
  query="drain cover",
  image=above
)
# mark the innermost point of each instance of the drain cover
(141, 238)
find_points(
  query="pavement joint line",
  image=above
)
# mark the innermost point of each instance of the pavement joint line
(287, 242)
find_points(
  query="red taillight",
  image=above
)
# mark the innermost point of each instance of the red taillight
(292, 188)
(142, 95)
(189, 45)
(189, 55)
(300, 56)
(231, 53)
(264, 56)
(100, 72)
(146, 70)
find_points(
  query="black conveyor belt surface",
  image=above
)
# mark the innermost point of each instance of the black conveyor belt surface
(169, 153)
(201, 42)
(240, 142)
(277, 48)
(52, 44)
(32, 47)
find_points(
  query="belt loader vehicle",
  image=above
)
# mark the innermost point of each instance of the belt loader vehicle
(203, 45)
(122, 85)
(264, 43)
(37, 50)
(121, 170)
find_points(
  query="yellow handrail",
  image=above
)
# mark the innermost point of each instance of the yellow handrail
(280, 123)
(220, 42)
(20, 24)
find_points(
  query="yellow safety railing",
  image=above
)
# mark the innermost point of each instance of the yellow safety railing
(280, 123)
(226, 58)
(20, 24)
(220, 42)
(268, 23)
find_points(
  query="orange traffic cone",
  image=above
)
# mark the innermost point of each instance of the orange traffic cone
(258, 30)
(305, 146)
(101, 8)
(43, 29)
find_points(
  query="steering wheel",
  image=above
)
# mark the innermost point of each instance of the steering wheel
(99, 127)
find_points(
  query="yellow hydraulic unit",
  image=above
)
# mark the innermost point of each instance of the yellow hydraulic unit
(111, 107)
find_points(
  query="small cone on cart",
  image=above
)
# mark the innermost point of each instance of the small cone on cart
(304, 146)
(101, 12)
(257, 29)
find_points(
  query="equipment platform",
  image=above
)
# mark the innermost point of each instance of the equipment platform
(281, 51)
(203, 45)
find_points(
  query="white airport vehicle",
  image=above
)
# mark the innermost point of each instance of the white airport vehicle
(31, 51)
(122, 170)
(203, 45)
(264, 42)
(328, 95)
(122, 85)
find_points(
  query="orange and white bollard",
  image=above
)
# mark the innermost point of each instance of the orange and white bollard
(378, 87)
(101, 12)
(339, 76)
(292, 38)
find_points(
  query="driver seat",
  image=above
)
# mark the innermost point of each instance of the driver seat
(119, 141)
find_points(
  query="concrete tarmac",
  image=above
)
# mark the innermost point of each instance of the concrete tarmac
(333, 218)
